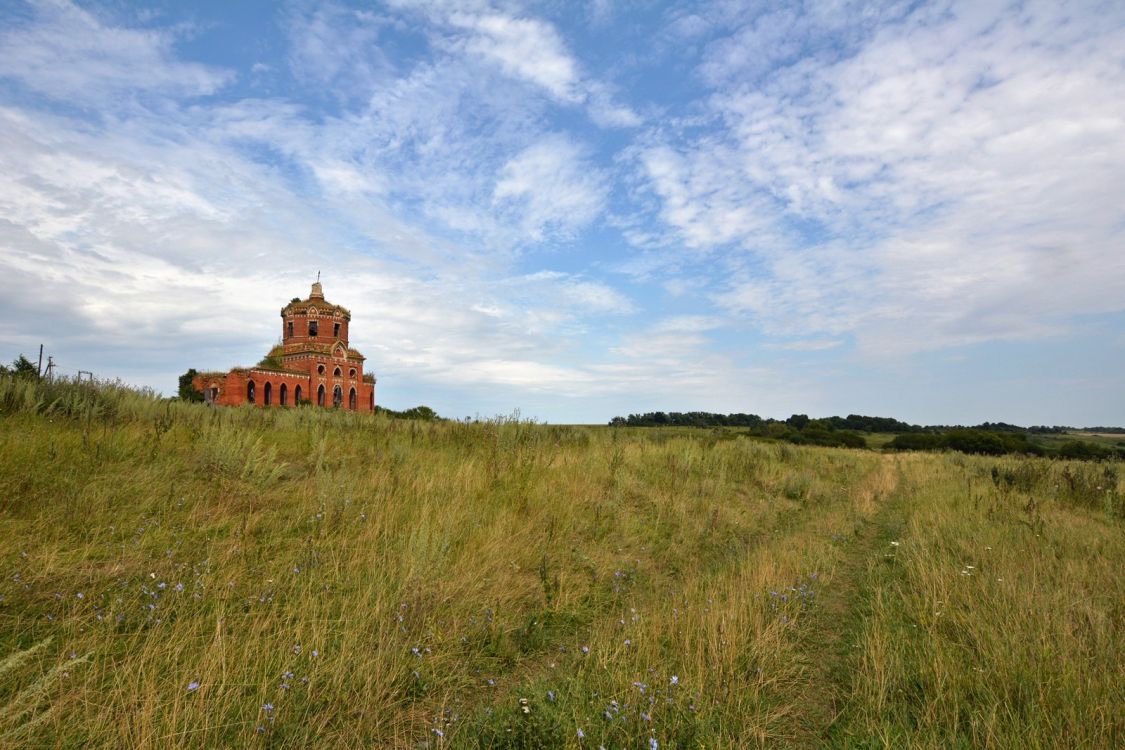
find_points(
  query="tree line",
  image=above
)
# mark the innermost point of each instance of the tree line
(855, 422)
(987, 438)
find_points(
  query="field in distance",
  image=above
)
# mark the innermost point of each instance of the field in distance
(178, 576)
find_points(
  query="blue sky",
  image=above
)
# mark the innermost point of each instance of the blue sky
(580, 210)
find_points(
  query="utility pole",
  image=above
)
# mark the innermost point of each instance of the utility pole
(85, 372)
(39, 367)
(50, 365)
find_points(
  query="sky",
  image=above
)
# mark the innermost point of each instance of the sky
(577, 210)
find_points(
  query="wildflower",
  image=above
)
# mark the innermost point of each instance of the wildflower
(438, 732)
(261, 729)
(296, 648)
(162, 585)
(267, 707)
(646, 717)
(675, 680)
(653, 744)
(551, 696)
(894, 544)
(193, 685)
(315, 653)
(179, 587)
(581, 734)
(585, 649)
(628, 642)
(524, 706)
(80, 595)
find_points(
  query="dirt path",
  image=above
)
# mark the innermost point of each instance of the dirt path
(830, 635)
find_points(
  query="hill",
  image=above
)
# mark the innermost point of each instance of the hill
(180, 576)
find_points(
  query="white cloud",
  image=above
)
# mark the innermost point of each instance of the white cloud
(337, 49)
(554, 185)
(810, 345)
(65, 51)
(963, 166)
(524, 48)
(705, 196)
(532, 50)
(566, 292)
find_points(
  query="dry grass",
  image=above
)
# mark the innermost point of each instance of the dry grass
(399, 584)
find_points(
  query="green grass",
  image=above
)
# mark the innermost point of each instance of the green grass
(388, 583)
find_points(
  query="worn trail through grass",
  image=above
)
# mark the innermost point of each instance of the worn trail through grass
(829, 639)
(172, 576)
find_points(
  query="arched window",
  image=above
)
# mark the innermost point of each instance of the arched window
(337, 396)
(214, 394)
(351, 373)
(351, 400)
(267, 394)
(372, 399)
(320, 369)
(250, 392)
(312, 328)
(337, 372)
(297, 396)
(320, 396)
(291, 329)
(282, 395)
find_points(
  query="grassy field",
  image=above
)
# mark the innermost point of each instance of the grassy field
(177, 576)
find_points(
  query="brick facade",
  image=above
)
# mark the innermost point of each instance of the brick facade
(313, 363)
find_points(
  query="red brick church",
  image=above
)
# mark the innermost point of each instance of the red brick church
(312, 364)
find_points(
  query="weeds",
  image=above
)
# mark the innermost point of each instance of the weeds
(178, 576)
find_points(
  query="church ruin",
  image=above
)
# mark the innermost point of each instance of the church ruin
(313, 364)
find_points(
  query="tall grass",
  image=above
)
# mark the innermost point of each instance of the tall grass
(179, 576)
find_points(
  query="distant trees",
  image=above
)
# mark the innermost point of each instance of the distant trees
(798, 421)
(988, 438)
(423, 413)
(187, 391)
(687, 419)
(854, 422)
(1086, 450)
(21, 367)
(798, 429)
(988, 443)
